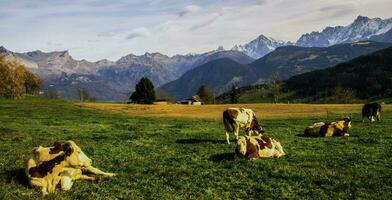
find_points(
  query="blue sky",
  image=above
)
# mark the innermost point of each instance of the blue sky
(97, 29)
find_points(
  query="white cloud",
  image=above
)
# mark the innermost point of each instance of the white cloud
(138, 32)
(189, 9)
(106, 34)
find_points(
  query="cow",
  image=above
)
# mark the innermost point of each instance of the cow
(252, 147)
(371, 111)
(236, 118)
(62, 163)
(328, 129)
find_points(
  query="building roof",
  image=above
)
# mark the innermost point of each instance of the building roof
(195, 98)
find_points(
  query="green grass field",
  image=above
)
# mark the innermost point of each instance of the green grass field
(158, 158)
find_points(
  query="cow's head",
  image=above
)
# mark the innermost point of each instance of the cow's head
(76, 156)
(254, 126)
(241, 148)
(347, 122)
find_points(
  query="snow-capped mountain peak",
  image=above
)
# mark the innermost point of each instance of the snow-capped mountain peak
(361, 28)
(260, 46)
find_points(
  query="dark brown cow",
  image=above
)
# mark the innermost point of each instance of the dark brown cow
(371, 111)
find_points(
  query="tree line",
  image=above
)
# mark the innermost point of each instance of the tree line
(145, 94)
(16, 81)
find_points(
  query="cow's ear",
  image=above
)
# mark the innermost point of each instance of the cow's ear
(57, 144)
(68, 149)
(56, 148)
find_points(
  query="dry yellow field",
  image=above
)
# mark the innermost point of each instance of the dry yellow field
(263, 111)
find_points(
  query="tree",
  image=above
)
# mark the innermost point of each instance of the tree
(15, 81)
(206, 94)
(144, 92)
(82, 93)
(234, 98)
(32, 83)
(275, 85)
(343, 95)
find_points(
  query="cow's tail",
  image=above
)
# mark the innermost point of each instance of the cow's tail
(228, 122)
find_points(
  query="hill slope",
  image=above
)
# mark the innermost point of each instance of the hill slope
(386, 37)
(368, 76)
(218, 75)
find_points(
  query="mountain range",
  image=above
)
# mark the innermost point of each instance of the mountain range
(107, 80)
(221, 75)
(114, 80)
(362, 28)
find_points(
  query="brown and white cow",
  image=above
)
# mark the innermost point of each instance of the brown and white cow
(253, 147)
(322, 129)
(236, 118)
(48, 166)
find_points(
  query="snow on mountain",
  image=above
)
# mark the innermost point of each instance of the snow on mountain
(260, 46)
(362, 28)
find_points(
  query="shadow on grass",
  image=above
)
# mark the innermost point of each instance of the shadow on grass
(16, 176)
(307, 136)
(302, 135)
(196, 141)
(223, 157)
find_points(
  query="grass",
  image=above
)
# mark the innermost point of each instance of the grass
(172, 158)
(264, 111)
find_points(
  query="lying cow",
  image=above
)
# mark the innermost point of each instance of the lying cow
(253, 147)
(236, 118)
(371, 111)
(321, 129)
(49, 166)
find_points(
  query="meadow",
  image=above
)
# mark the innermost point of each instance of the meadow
(184, 155)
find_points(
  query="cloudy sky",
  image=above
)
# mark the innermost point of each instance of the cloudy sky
(97, 29)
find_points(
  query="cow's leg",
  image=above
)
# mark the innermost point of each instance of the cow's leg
(372, 119)
(85, 177)
(378, 116)
(52, 185)
(279, 150)
(228, 138)
(66, 183)
(41, 184)
(76, 174)
(97, 171)
(253, 155)
(237, 130)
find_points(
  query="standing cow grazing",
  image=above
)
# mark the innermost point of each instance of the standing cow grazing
(236, 118)
(371, 111)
